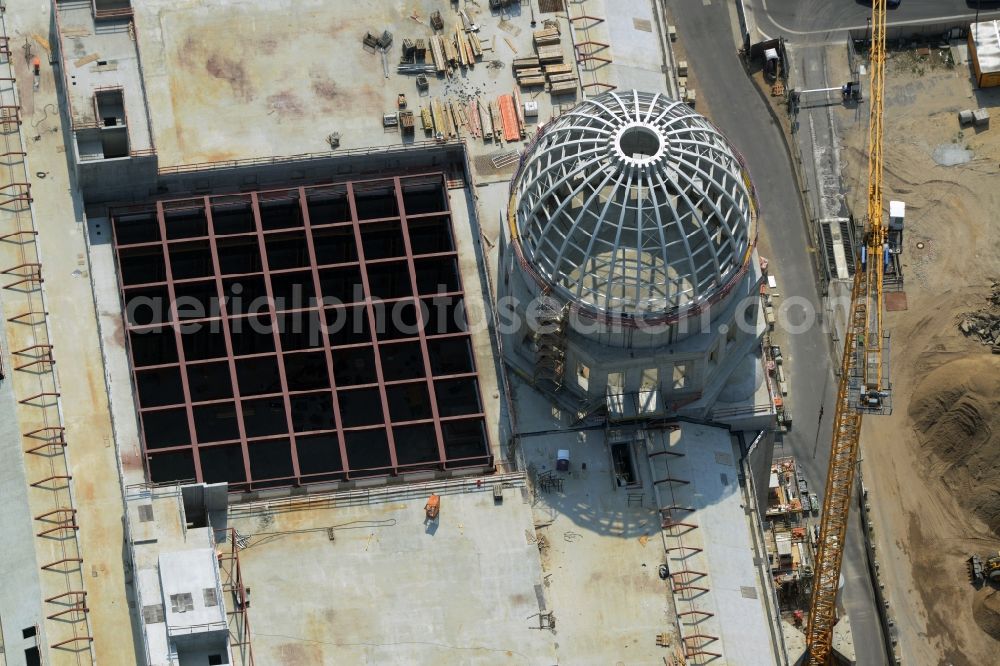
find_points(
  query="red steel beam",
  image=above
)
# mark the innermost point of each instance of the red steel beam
(38, 484)
(56, 646)
(691, 548)
(172, 295)
(227, 336)
(685, 588)
(30, 232)
(327, 347)
(696, 574)
(69, 525)
(422, 333)
(276, 335)
(52, 565)
(599, 84)
(43, 394)
(71, 593)
(370, 310)
(43, 516)
(595, 19)
(30, 313)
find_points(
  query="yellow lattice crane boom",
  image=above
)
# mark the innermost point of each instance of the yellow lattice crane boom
(864, 385)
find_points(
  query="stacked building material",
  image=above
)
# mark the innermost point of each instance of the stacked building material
(546, 37)
(530, 76)
(522, 63)
(511, 128)
(438, 54)
(495, 125)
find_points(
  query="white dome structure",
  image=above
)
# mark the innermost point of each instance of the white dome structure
(632, 205)
(628, 280)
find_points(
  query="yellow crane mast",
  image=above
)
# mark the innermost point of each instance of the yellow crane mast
(864, 386)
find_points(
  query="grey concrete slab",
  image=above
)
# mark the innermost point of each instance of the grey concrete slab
(20, 593)
(389, 587)
(231, 80)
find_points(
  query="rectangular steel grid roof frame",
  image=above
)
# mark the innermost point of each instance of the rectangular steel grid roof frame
(204, 205)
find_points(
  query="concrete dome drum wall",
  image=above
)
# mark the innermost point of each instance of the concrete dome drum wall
(632, 206)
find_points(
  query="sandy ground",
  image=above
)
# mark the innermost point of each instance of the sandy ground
(924, 528)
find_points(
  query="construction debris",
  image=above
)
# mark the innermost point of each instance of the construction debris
(985, 322)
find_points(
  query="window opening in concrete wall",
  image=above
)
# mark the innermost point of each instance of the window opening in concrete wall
(28, 632)
(211, 598)
(152, 614)
(649, 379)
(583, 376)
(616, 383)
(713, 356)
(32, 656)
(181, 603)
(681, 371)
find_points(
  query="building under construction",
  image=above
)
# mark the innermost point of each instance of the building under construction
(386, 401)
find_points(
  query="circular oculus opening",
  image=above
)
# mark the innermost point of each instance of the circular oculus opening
(639, 143)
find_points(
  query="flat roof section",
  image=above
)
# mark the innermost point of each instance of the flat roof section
(300, 335)
(353, 582)
(103, 81)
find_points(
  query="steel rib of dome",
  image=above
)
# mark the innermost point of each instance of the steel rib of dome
(634, 204)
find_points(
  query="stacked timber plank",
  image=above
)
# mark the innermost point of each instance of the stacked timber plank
(546, 37)
(548, 55)
(438, 54)
(530, 77)
(546, 66)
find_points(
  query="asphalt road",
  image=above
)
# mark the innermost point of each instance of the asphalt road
(801, 21)
(739, 111)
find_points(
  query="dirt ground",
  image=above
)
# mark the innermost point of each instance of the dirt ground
(933, 466)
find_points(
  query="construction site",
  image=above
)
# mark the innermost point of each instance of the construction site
(465, 333)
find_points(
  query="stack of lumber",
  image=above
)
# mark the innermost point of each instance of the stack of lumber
(444, 124)
(496, 127)
(546, 37)
(530, 76)
(526, 62)
(561, 78)
(438, 53)
(550, 54)
(475, 122)
(476, 45)
(450, 51)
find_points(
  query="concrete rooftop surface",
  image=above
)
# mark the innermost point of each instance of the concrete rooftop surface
(375, 583)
